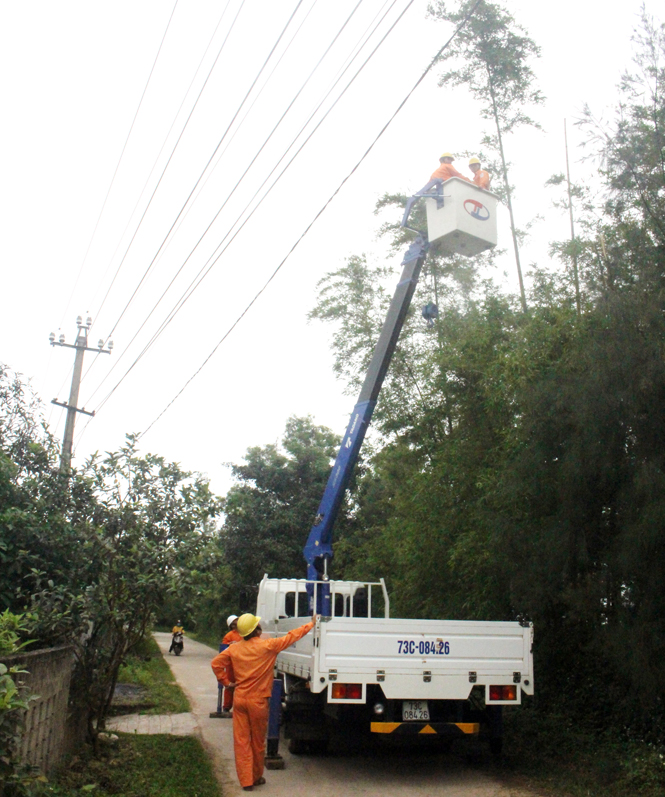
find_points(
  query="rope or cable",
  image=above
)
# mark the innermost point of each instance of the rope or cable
(173, 310)
(321, 211)
(154, 166)
(259, 93)
(180, 212)
(115, 173)
(131, 216)
(212, 260)
(161, 177)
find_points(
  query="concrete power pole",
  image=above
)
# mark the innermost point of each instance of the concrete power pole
(81, 346)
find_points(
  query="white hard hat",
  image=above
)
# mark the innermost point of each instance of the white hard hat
(230, 619)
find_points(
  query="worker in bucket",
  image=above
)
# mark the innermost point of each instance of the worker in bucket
(480, 177)
(446, 170)
(229, 639)
(248, 668)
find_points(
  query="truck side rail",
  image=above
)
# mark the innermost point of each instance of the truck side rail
(347, 598)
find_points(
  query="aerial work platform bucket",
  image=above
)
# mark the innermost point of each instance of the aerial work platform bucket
(460, 216)
(466, 224)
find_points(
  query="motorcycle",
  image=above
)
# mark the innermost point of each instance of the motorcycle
(177, 643)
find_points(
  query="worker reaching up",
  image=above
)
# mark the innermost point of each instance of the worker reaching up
(248, 667)
(230, 638)
(446, 170)
(480, 177)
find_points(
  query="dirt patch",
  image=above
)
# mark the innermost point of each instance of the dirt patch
(129, 699)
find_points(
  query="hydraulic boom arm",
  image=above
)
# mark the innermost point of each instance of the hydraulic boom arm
(318, 549)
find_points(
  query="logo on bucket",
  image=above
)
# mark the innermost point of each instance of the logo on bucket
(476, 209)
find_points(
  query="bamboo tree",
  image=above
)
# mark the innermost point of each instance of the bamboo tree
(491, 56)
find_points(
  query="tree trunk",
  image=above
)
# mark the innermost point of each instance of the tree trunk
(508, 194)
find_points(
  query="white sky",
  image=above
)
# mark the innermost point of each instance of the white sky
(72, 77)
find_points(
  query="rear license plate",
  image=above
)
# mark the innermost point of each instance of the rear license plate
(415, 710)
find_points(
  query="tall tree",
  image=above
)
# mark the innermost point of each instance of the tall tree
(491, 56)
(270, 510)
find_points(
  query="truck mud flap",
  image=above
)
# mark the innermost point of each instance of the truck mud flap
(449, 729)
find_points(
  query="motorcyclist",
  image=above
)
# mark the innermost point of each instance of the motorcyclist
(177, 629)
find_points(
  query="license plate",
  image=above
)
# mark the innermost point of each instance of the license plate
(415, 710)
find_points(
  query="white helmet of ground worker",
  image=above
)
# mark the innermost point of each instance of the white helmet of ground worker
(230, 619)
(247, 623)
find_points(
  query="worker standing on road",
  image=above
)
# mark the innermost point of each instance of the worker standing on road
(248, 667)
(480, 177)
(229, 639)
(446, 170)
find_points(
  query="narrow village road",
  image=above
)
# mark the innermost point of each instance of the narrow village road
(344, 772)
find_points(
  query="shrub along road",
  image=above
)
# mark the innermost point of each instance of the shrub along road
(346, 770)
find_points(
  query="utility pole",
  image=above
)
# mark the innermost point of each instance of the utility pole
(81, 346)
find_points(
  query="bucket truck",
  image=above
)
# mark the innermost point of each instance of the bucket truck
(392, 677)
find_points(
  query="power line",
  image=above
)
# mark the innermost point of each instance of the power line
(118, 359)
(177, 308)
(161, 177)
(115, 173)
(92, 364)
(320, 213)
(180, 212)
(212, 260)
(166, 138)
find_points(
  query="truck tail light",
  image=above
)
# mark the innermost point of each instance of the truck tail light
(347, 691)
(507, 692)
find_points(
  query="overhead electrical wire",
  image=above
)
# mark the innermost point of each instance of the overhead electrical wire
(98, 310)
(316, 217)
(115, 173)
(169, 318)
(161, 177)
(180, 212)
(187, 295)
(154, 166)
(167, 240)
(211, 262)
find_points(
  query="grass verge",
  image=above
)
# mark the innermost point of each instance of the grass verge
(140, 766)
(209, 638)
(145, 667)
(557, 756)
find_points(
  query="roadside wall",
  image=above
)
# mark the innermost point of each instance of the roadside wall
(48, 731)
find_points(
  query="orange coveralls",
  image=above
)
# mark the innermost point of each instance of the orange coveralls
(482, 179)
(229, 639)
(249, 665)
(446, 171)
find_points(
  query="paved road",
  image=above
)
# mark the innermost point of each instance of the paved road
(345, 772)
(175, 724)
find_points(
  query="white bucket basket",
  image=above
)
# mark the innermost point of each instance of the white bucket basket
(466, 224)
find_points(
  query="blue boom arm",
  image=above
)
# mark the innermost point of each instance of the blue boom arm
(318, 549)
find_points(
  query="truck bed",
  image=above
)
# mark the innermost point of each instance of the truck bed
(410, 659)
